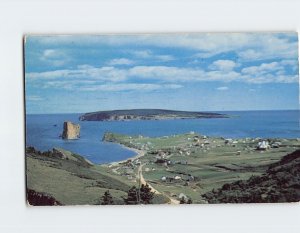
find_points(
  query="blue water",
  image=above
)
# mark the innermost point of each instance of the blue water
(42, 134)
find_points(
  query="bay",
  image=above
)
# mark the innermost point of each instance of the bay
(43, 130)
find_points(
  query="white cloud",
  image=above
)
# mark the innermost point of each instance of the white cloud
(106, 73)
(204, 55)
(148, 54)
(54, 57)
(273, 72)
(222, 88)
(130, 87)
(225, 65)
(49, 53)
(272, 79)
(141, 53)
(164, 58)
(250, 54)
(263, 68)
(120, 61)
(248, 46)
(86, 77)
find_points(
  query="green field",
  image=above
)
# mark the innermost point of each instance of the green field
(210, 161)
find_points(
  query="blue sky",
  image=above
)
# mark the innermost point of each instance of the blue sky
(199, 72)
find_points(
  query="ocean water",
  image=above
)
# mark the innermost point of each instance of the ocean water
(43, 130)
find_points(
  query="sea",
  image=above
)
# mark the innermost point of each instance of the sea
(43, 131)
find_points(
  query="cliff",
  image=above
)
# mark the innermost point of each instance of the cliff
(70, 131)
(146, 114)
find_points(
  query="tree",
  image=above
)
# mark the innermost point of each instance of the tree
(132, 196)
(142, 195)
(184, 201)
(190, 201)
(146, 194)
(107, 199)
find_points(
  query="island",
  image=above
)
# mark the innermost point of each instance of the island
(146, 114)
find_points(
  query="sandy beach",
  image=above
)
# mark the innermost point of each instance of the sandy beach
(139, 154)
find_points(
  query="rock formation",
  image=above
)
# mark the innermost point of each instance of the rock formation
(71, 131)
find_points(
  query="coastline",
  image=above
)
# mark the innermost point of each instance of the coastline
(139, 154)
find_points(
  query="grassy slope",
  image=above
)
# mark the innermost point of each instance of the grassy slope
(73, 181)
(70, 182)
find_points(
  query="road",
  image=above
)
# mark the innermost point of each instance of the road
(143, 181)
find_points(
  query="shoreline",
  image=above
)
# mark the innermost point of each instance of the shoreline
(139, 154)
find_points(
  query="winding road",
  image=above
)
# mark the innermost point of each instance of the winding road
(140, 177)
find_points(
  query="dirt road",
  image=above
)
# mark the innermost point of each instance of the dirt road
(143, 181)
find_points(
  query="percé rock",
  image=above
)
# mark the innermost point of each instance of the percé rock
(71, 131)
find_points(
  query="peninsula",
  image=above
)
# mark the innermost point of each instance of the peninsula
(146, 114)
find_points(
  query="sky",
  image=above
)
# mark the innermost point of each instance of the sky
(197, 72)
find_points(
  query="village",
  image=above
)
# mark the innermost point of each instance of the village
(188, 165)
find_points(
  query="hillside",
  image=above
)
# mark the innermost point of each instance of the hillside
(192, 164)
(280, 183)
(60, 177)
(145, 114)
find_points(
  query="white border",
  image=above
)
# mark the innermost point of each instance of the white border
(120, 16)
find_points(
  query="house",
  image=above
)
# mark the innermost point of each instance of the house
(276, 145)
(167, 179)
(263, 145)
(228, 141)
(177, 178)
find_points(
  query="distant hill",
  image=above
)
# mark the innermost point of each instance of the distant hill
(280, 183)
(146, 114)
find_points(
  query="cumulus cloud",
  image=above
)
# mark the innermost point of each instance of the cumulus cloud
(263, 68)
(250, 54)
(273, 72)
(86, 77)
(225, 65)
